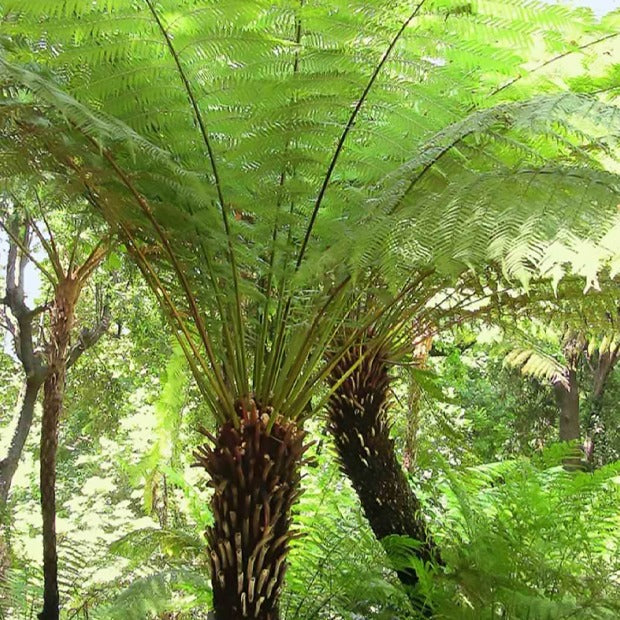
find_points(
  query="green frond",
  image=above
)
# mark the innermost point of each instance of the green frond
(536, 364)
(256, 157)
(510, 518)
(155, 594)
(19, 591)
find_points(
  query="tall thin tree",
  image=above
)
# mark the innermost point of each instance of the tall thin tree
(47, 365)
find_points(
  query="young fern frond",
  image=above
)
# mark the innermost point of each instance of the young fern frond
(536, 363)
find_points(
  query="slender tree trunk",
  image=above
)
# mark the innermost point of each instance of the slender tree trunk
(567, 391)
(61, 321)
(358, 421)
(20, 325)
(8, 465)
(255, 473)
(595, 424)
(567, 397)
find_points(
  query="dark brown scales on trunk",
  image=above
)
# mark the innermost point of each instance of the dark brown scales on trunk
(255, 473)
(358, 421)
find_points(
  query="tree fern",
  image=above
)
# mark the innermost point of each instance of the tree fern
(264, 162)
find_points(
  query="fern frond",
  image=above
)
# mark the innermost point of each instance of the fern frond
(236, 138)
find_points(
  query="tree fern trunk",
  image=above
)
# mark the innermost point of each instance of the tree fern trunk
(358, 421)
(255, 475)
(61, 321)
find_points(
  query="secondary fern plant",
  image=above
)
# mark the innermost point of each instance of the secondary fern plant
(579, 337)
(358, 408)
(359, 422)
(264, 163)
(531, 540)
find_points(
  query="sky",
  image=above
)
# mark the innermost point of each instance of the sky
(600, 7)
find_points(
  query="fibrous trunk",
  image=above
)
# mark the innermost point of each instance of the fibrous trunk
(358, 421)
(61, 321)
(255, 474)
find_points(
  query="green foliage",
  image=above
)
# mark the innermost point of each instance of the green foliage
(150, 596)
(338, 569)
(531, 541)
(323, 144)
(278, 171)
(503, 413)
(20, 592)
(10, 392)
(520, 538)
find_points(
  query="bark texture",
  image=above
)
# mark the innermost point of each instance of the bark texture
(8, 465)
(62, 314)
(567, 390)
(358, 421)
(19, 324)
(567, 397)
(50, 372)
(255, 474)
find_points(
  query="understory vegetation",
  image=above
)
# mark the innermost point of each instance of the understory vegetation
(309, 310)
(520, 536)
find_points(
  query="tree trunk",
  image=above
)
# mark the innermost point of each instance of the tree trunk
(358, 421)
(255, 473)
(567, 397)
(8, 465)
(567, 391)
(61, 321)
(595, 423)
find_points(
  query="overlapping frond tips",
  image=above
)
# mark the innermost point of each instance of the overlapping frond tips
(260, 156)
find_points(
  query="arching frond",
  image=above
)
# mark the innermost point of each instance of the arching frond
(264, 160)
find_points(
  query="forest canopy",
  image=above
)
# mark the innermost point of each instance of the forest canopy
(309, 309)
